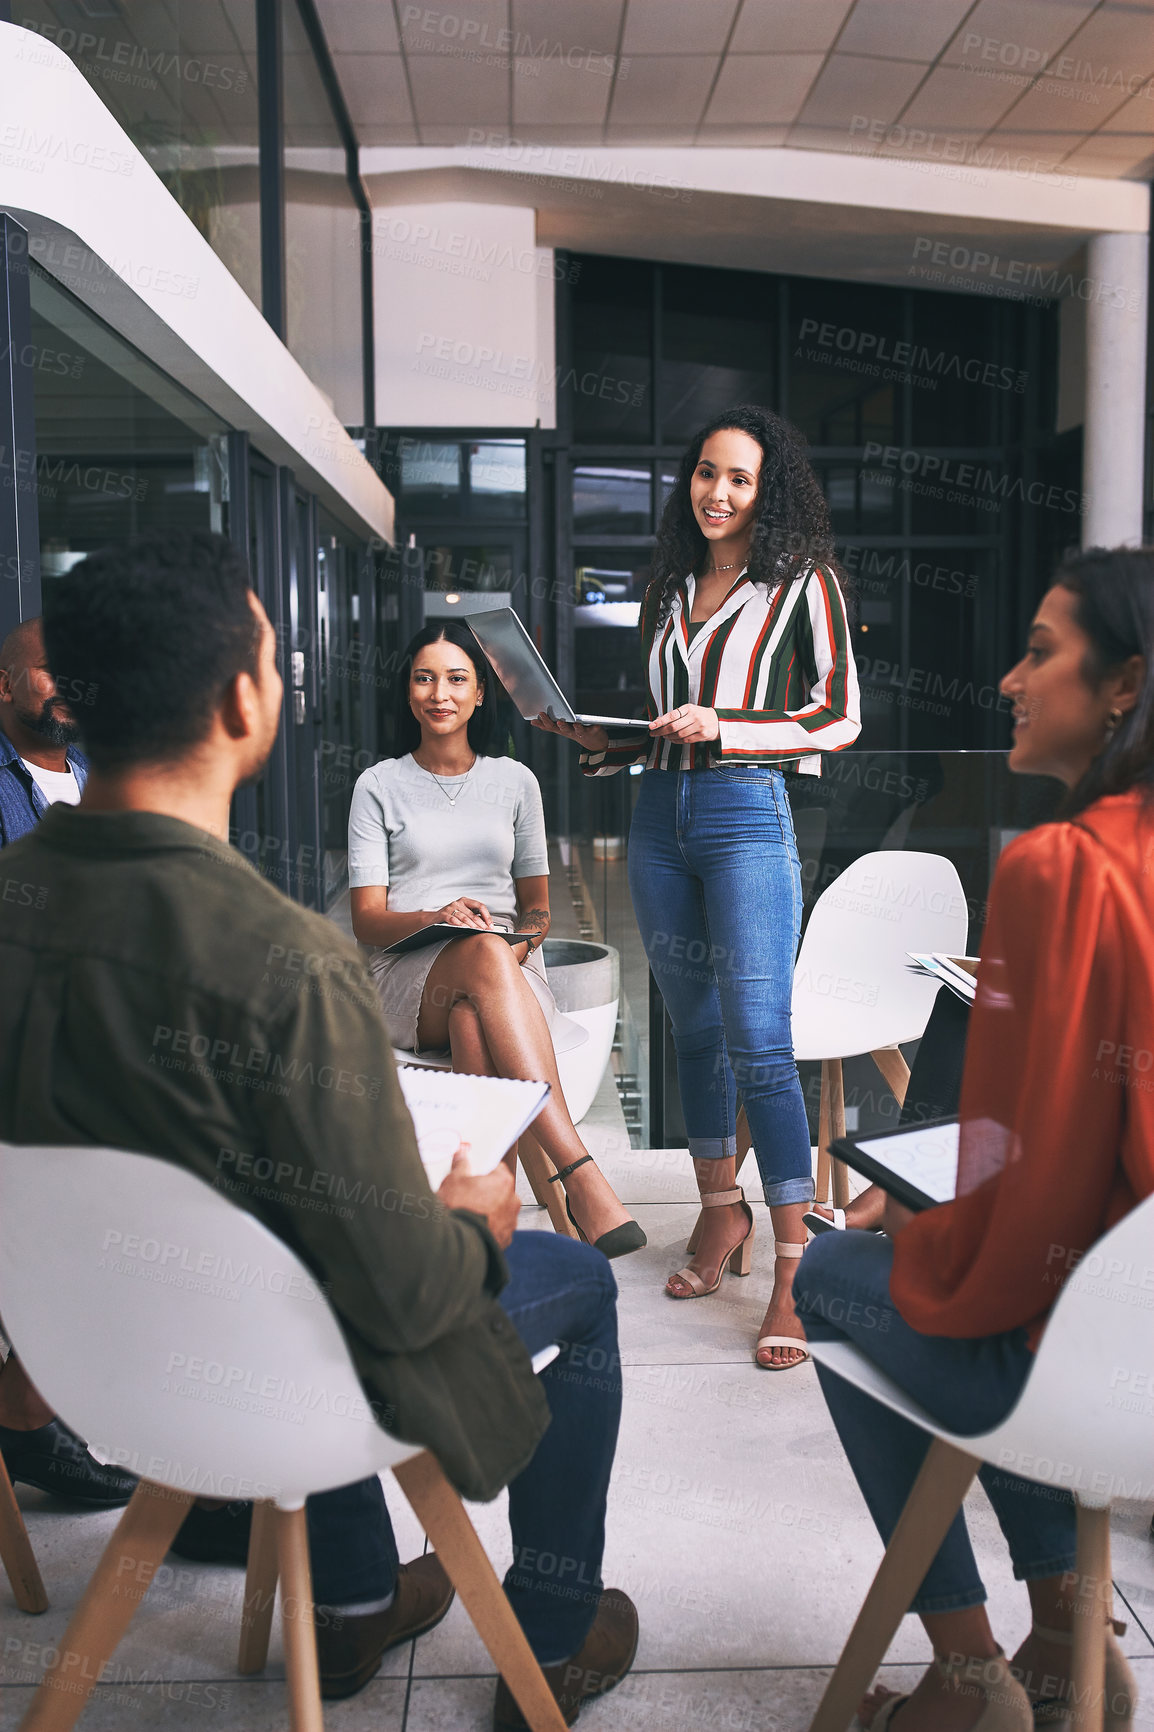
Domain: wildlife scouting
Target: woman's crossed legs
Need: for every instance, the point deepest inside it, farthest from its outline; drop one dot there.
(478, 1002)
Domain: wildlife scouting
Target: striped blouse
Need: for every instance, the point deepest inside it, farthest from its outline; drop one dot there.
(778, 670)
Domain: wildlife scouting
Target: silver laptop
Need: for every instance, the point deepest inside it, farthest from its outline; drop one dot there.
(524, 675)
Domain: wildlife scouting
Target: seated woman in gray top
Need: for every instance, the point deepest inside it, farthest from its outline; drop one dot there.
(450, 831)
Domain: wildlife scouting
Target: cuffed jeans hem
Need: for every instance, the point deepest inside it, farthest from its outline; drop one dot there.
(712, 1148)
(934, 1605)
(789, 1191)
(1065, 1565)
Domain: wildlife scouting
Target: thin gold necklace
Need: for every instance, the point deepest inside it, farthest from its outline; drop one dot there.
(451, 798)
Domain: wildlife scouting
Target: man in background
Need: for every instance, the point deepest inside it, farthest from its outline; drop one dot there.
(39, 759)
(39, 765)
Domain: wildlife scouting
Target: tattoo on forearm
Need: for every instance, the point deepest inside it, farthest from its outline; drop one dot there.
(534, 920)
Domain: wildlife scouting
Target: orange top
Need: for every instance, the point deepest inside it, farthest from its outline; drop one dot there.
(1057, 1104)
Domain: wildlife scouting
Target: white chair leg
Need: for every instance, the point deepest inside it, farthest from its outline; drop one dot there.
(453, 1537)
(259, 1590)
(119, 1583)
(296, 1610)
(946, 1475)
(823, 1187)
(1093, 1603)
(16, 1552)
(838, 1169)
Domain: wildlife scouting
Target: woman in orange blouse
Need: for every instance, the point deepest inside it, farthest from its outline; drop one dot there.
(1057, 1144)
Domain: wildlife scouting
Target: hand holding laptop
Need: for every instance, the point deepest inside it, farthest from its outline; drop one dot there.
(685, 725)
(590, 739)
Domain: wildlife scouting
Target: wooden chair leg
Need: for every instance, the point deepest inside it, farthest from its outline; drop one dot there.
(452, 1535)
(539, 1169)
(16, 1552)
(937, 1493)
(120, 1581)
(744, 1142)
(259, 1590)
(838, 1174)
(1092, 1606)
(296, 1610)
(894, 1069)
(823, 1186)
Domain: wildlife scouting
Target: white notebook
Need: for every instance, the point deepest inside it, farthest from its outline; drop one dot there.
(960, 973)
(489, 1113)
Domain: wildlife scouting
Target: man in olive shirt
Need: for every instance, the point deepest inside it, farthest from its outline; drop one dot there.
(161, 996)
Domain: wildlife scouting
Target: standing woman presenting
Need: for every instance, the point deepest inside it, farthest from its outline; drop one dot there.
(749, 669)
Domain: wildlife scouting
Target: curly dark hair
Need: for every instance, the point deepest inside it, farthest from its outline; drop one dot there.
(792, 529)
(1114, 587)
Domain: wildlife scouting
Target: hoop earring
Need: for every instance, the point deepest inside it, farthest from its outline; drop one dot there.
(1113, 722)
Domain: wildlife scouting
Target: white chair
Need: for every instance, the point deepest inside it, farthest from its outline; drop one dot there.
(186, 1341)
(1074, 1425)
(853, 989)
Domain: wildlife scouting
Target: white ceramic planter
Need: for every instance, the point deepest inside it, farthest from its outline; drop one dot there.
(585, 979)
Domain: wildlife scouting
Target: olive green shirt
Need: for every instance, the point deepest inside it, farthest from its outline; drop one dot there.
(158, 995)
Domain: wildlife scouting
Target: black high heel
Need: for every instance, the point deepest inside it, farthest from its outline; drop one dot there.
(618, 1241)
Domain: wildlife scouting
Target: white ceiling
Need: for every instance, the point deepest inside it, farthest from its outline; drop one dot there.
(1032, 85)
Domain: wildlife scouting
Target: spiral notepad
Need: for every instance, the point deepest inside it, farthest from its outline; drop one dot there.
(447, 1108)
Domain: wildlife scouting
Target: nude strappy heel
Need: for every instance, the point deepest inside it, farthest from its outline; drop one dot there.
(1121, 1684)
(742, 1251)
(782, 1248)
(1007, 1705)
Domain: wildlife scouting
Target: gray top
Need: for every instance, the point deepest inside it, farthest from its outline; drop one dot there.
(403, 832)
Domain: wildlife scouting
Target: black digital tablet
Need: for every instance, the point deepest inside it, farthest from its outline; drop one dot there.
(916, 1164)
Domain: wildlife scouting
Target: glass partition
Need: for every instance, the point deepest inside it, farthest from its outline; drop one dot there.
(612, 499)
(341, 665)
(497, 478)
(180, 78)
(120, 449)
(964, 805)
(322, 233)
(611, 390)
(717, 344)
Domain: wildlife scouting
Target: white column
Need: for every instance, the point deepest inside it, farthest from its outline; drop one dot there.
(1115, 295)
(463, 316)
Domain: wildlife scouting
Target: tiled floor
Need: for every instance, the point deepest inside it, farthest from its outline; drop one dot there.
(734, 1523)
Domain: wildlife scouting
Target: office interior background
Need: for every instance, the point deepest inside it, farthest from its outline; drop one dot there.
(421, 304)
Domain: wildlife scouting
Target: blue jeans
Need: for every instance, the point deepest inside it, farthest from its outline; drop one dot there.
(842, 1293)
(716, 887)
(559, 1291)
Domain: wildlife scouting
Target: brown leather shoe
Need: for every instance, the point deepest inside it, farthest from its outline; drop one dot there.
(350, 1648)
(598, 1665)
